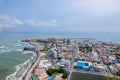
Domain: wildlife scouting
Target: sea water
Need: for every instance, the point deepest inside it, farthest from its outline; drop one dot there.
(14, 62)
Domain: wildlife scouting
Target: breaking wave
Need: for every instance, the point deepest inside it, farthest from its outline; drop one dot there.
(1, 47)
(21, 69)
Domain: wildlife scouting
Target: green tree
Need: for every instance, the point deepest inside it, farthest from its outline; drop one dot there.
(118, 73)
(61, 70)
(64, 75)
(50, 72)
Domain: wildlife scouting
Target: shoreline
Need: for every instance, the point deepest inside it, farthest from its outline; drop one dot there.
(22, 66)
(37, 47)
(28, 73)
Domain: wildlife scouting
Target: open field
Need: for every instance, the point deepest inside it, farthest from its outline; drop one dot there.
(86, 76)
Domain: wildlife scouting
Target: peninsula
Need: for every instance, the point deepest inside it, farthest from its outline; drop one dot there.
(63, 59)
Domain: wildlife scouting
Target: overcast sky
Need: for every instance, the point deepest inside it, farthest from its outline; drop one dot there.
(60, 15)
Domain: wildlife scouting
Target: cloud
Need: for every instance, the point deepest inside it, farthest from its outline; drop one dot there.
(40, 23)
(1, 30)
(53, 21)
(95, 7)
(7, 21)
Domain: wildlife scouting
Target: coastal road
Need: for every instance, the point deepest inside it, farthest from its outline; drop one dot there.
(28, 74)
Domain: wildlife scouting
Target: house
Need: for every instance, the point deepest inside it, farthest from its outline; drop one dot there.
(44, 64)
(65, 63)
(99, 68)
(44, 77)
(95, 56)
(39, 72)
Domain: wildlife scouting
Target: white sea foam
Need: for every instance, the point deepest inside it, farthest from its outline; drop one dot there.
(5, 50)
(1, 47)
(21, 69)
(10, 50)
(19, 50)
(17, 44)
(26, 52)
(27, 44)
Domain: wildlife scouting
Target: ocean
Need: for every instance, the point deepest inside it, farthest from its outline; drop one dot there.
(14, 62)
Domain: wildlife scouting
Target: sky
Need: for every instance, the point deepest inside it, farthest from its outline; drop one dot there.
(60, 15)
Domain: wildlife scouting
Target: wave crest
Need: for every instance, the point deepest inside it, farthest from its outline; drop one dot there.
(21, 69)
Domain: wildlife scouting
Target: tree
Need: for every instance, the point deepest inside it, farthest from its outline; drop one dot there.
(118, 73)
(61, 70)
(50, 72)
(75, 67)
(64, 75)
(56, 70)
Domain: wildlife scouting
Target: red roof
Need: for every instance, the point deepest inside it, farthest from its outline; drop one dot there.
(39, 70)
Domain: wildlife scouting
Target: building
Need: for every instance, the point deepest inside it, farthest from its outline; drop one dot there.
(51, 78)
(99, 68)
(95, 56)
(53, 53)
(82, 65)
(44, 64)
(39, 72)
(34, 77)
(65, 63)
